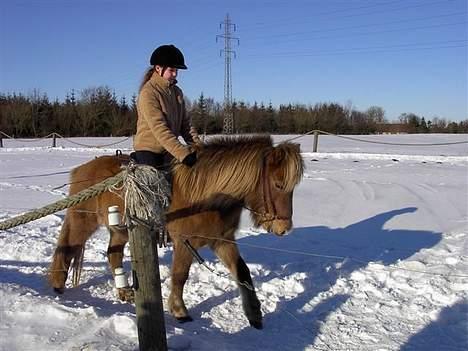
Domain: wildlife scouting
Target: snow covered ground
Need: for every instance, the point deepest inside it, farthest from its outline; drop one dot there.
(378, 259)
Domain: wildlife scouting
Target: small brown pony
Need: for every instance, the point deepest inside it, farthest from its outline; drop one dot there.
(231, 173)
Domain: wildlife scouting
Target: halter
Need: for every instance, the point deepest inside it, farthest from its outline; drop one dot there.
(267, 215)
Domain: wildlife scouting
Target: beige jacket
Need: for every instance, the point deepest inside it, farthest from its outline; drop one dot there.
(162, 117)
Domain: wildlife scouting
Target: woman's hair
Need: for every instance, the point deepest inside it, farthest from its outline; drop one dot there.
(149, 72)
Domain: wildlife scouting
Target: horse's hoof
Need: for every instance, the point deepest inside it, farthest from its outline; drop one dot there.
(184, 319)
(126, 294)
(256, 324)
(59, 290)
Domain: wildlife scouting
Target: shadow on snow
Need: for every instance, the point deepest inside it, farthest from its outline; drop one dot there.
(448, 332)
(360, 243)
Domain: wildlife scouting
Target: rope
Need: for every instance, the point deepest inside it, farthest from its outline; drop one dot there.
(28, 140)
(203, 263)
(38, 175)
(64, 203)
(291, 139)
(62, 137)
(92, 146)
(374, 142)
(77, 182)
(303, 135)
(147, 195)
(73, 210)
(5, 134)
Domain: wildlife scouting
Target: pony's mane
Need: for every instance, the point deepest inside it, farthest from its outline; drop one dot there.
(231, 164)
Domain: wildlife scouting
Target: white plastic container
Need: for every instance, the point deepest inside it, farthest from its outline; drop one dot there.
(120, 278)
(113, 215)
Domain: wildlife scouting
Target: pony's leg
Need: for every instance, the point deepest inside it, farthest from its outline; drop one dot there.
(181, 262)
(228, 253)
(76, 229)
(118, 239)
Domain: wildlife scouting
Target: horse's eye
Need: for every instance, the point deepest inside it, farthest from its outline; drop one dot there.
(279, 186)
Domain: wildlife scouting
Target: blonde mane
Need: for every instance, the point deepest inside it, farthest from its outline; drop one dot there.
(233, 165)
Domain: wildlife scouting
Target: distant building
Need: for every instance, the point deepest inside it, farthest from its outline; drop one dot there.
(392, 128)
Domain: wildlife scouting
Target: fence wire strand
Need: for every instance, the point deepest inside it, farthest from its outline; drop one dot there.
(375, 142)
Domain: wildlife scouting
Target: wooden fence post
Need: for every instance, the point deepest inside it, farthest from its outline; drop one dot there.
(316, 135)
(1, 141)
(54, 140)
(147, 286)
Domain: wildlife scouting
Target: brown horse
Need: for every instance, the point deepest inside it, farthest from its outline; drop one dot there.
(207, 200)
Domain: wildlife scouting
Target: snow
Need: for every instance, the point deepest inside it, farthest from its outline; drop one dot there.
(378, 259)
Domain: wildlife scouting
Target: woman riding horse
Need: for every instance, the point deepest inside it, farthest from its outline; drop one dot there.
(162, 116)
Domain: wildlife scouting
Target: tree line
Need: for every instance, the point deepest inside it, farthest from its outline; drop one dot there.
(99, 112)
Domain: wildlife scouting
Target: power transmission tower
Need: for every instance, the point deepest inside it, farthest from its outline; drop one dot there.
(228, 113)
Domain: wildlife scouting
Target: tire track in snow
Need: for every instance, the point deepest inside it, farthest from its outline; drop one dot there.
(422, 199)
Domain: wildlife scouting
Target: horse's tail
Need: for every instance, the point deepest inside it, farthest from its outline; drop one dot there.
(69, 252)
(77, 265)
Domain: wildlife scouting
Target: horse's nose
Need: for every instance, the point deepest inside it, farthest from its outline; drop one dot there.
(281, 227)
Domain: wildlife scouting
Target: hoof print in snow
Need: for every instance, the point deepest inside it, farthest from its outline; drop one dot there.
(184, 319)
(256, 324)
(59, 291)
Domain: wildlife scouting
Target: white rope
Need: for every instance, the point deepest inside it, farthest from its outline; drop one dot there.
(146, 194)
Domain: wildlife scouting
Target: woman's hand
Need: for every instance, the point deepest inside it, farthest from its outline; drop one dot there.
(190, 159)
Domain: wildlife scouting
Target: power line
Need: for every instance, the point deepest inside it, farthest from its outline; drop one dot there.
(353, 35)
(382, 48)
(126, 81)
(318, 54)
(357, 26)
(293, 20)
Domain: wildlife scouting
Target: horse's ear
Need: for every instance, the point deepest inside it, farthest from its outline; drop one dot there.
(276, 156)
(294, 147)
(280, 152)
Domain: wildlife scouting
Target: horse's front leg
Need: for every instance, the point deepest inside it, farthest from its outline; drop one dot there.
(228, 253)
(181, 262)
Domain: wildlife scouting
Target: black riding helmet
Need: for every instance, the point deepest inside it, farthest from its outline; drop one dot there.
(168, 56)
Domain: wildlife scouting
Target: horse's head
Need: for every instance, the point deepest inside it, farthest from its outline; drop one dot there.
(249, 170)
(271, 205)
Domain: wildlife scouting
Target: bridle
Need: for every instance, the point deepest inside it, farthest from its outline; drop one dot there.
(269, 213)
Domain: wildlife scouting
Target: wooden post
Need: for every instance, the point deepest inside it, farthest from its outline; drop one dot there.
(54, 140)
(147, 286)
(316, 134)
(1, 141)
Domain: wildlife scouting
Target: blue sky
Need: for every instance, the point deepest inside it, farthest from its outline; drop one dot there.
(405, 56)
